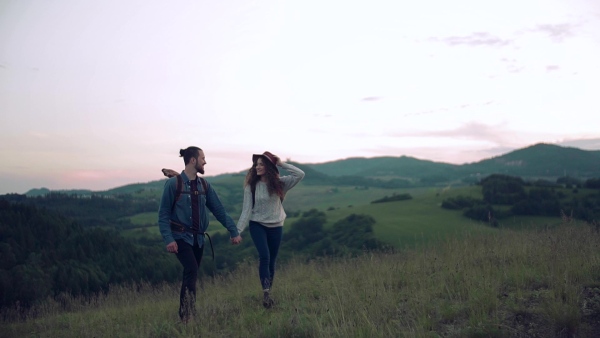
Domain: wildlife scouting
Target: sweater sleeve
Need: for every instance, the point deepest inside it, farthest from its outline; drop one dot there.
(246, 210)
(296, 175)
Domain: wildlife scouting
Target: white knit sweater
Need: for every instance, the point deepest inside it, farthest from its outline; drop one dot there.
(268, 209)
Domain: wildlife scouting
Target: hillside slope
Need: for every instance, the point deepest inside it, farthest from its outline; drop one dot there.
(541, 160)
(537, 161)
(507, 284)
(402, 166)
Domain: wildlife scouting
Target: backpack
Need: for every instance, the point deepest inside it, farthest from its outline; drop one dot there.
(179, 189)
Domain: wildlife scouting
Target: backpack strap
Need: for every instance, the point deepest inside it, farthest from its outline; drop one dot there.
(204, 185)
(179, 189)
(176, 227)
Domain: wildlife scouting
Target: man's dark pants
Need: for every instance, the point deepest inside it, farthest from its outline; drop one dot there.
(190, 257)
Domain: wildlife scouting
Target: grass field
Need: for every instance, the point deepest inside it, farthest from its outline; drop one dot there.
(526, 283)
(408, 223)
(448, 277)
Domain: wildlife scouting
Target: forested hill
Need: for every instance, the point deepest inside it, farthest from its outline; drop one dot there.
(537, 161)
(384, 166)
(45, 254)
(48, 255)
(540, 161)
(126, 189)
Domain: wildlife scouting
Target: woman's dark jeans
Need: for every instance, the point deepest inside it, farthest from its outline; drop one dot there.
(267, 241)
(190, 257)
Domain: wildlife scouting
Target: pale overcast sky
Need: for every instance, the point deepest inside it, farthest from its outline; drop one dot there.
(97, 94)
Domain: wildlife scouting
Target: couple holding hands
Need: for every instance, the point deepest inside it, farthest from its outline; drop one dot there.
(183, 220)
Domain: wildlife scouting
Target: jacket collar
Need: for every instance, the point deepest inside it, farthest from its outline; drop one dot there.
(185, 178)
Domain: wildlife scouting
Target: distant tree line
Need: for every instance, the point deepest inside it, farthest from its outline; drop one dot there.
(46, 254)
(537, 198)
(394, 197)
(360, 181)
(91, 210)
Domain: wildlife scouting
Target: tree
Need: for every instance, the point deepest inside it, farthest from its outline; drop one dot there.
(307, 230)
(502, 189)
(356, 233)
(592, 183)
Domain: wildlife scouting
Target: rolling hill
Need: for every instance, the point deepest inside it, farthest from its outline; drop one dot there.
(539, 161)
(536, 161)
(542, 160)
(402, 166)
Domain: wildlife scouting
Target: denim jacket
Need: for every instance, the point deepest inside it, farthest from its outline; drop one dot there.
(182, 212)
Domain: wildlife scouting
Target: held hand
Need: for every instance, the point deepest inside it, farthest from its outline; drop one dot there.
(172, 247)
(169, 172)
(236, 240)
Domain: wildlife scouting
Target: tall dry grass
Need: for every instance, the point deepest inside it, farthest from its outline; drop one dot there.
(543, 283)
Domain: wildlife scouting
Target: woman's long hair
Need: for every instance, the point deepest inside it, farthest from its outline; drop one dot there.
(274, 185)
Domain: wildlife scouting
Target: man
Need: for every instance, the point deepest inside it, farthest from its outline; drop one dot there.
(183, 221)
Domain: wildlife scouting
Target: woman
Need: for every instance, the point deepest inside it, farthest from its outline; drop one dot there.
(264, 191)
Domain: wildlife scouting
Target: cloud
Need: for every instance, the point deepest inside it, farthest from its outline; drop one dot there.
(476, 131)
(512, 65)
(443, 154)
(557, 32)
(550, 68)
(475, 39)
(371, 98)
(586, 144)
(445, 109)
(38, 134)
(496, 134)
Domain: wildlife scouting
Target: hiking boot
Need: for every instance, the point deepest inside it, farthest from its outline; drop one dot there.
(187, 313)
(186, 319)
(267, 300)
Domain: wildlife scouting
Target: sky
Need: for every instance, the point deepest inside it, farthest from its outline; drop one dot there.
(98, 94)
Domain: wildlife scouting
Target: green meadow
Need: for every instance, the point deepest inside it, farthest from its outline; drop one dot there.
(442, 275)
(503, 283)
(408, 223)
(447, 276)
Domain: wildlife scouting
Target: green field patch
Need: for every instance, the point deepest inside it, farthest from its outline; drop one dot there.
(409, 223)
(413, 222)
(306, 197)
(420, 220)
(149, 231)
(144, 218)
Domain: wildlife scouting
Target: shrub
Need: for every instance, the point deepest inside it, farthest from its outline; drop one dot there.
(460, 202)
(394, 197)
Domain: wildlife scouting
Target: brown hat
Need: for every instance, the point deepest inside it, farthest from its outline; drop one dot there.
(269, 156)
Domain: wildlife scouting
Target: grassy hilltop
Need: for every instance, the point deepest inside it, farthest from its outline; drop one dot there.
(447, 276)
(527, 283)
(441, 274)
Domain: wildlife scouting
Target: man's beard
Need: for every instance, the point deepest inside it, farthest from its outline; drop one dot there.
(200, 169)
